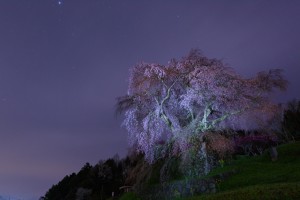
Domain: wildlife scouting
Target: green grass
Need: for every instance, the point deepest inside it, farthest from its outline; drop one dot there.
(286, 191)
(260, 178)
(129, 196)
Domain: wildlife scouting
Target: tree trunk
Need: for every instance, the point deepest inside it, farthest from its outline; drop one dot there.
(206, 166)
(273, 153)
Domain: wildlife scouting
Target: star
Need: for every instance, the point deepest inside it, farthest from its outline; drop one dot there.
(59, 2)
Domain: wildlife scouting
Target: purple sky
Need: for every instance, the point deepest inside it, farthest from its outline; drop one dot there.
(63, 64)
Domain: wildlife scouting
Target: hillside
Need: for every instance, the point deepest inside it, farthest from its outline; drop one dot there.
(253, 178)
(259, 178)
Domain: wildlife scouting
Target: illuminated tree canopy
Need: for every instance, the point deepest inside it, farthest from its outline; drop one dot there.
(190, 96)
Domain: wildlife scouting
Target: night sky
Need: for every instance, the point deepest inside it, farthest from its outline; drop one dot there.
(63, 63)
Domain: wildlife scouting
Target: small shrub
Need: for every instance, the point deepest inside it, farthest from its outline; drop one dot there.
(219, 146)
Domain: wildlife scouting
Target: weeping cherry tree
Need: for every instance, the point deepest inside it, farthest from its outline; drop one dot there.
(170, 104)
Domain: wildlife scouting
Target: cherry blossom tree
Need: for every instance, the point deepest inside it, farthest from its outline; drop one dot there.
(167, 105)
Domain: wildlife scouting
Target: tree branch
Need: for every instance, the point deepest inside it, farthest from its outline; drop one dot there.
(162, 113)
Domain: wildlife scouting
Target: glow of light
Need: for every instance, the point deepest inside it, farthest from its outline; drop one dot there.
(59, 2)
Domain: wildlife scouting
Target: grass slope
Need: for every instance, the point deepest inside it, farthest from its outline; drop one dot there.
(260, 178)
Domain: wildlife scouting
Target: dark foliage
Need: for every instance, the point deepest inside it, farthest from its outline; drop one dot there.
(291, 121)
(91, 182)
(255, 143)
